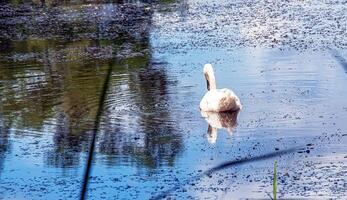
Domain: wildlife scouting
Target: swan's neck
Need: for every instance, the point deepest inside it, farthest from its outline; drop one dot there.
(212, 134)
(211, 81)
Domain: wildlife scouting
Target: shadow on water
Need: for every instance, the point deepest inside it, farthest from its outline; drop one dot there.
(223, 166)
(339, 58)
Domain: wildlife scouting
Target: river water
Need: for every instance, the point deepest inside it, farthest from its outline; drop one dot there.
(285, 60)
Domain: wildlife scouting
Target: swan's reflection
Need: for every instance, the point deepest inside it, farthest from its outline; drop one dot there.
(226, 120)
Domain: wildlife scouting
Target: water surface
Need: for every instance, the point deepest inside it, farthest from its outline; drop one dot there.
(153, 138)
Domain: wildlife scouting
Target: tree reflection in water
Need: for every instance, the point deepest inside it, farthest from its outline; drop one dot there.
(5, 145)
(53, 69)
(152, 137)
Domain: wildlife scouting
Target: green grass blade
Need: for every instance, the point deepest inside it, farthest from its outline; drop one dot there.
(275, 181)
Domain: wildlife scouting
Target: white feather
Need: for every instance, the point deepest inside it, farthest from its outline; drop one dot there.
(218, 100)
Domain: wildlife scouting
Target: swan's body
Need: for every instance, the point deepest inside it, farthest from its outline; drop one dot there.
(217, 100)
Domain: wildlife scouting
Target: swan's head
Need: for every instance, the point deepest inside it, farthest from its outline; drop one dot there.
(208, 68)
(209, 75)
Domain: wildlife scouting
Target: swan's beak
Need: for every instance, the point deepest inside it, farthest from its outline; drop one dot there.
(207, 82)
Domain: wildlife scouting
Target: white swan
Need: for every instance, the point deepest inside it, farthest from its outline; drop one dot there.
(217, 100)
(219, 120)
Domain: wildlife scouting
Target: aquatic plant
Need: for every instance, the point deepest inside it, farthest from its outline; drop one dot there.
(274, 184)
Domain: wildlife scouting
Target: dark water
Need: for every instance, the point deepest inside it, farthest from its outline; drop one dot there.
(153, 139)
